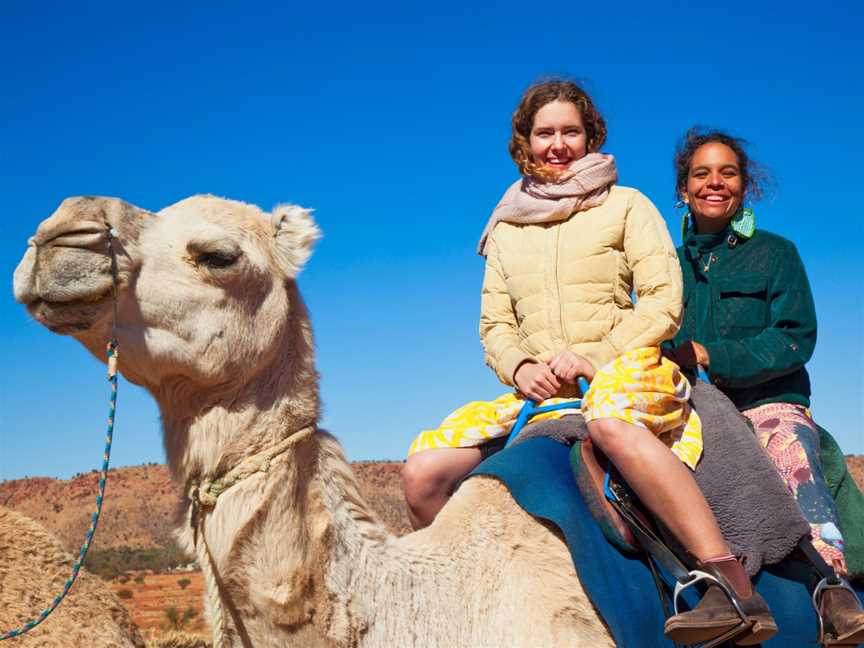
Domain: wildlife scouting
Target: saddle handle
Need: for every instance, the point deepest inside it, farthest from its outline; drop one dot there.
(531, 409)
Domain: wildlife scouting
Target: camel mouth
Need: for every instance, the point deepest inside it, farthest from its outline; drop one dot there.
(69, 318)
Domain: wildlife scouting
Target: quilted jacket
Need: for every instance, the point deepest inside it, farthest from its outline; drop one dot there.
(752, 309)
(550, 287)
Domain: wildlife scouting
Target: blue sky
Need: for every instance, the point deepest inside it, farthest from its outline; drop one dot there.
(391, 121)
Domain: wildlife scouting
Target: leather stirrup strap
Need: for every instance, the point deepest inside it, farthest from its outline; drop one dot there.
(623, 500)
(816, 561)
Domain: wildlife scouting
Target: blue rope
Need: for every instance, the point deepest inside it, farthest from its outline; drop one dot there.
(94, 519)
(531, 409)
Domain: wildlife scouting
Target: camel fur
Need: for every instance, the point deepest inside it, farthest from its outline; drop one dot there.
(33, 570)
(211, 322)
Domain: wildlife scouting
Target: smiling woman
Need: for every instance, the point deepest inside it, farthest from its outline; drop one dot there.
(558, 135)
(564, 250)
(750, 320)
(715, 186)
(555, 124)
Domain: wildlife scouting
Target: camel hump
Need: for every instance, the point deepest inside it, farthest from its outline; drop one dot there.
(33, 570)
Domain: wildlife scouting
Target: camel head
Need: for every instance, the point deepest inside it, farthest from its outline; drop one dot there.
(204, 288)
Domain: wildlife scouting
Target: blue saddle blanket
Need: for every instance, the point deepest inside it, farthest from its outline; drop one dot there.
(537, 473)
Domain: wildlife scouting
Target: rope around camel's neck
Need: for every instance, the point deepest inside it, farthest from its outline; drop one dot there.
(203, 496)
(206, 434)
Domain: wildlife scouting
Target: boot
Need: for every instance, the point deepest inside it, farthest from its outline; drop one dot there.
(842, 617)
(715, 615)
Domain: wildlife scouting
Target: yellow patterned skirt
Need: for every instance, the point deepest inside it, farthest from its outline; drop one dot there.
(640, 387)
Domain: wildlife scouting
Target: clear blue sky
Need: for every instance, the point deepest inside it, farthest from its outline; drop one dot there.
(391, 121)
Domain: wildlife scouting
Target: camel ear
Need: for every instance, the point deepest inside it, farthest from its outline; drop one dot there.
(295, 233)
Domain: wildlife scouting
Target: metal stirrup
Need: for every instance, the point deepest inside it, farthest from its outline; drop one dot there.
(821, 587)
(698, 576)
(622, 500)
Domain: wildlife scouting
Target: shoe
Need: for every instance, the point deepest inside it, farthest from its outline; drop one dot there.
(715, 616)
(842, 617)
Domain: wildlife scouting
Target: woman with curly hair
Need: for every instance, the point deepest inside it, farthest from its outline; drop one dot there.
(750, 321)
(564, 249)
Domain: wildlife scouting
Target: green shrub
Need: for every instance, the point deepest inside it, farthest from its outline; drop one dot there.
(125, 594)
(177, 621)
(110, 563)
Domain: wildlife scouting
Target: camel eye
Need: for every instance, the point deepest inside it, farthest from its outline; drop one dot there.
(217, 259)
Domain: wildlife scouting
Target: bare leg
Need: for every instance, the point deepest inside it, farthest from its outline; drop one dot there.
(430, 477)
(663, 483)
(668, 489)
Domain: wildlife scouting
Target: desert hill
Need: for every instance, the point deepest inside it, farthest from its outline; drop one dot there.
(141, 503)
(856, 469)
(139, 511)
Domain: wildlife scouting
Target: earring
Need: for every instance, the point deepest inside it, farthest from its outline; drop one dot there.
(685, 225)
(685, 219)
(744, 222)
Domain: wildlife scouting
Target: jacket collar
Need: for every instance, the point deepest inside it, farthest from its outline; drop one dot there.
(696, 245)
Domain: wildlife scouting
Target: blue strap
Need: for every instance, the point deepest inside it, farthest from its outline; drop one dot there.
(607, 490)
(531, 409)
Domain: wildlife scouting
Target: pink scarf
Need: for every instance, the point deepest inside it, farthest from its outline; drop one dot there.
(585, 184)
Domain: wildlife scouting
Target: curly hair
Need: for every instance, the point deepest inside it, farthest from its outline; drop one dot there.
(537, 96)
(755, 177)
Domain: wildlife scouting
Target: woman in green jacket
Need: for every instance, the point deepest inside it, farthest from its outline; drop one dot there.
(749, 320)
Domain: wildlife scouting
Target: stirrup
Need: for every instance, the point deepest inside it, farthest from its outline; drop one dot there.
(827, 583)
(623, 500)
(698, 576)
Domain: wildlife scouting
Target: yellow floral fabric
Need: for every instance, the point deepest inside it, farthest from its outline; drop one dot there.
(643, 388)
(479, 421)
(640, 387)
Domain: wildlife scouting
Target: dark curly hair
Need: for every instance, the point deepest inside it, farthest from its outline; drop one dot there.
(537, 96)
(755, 178)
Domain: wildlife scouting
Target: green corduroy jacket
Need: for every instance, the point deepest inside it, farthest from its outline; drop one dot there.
(748, 302)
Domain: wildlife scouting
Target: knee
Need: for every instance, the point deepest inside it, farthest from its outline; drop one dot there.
(612, 436)
(423, 478)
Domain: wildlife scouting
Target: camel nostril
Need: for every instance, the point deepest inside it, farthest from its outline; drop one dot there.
(84, 235)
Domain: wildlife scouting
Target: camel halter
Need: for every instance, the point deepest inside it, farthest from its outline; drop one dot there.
(112, 351)
(203, 495)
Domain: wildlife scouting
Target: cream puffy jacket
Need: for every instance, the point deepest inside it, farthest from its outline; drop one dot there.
(567, 285)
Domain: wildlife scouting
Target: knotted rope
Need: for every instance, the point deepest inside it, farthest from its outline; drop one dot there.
(203, 495)
(112, 350)
(94, 519)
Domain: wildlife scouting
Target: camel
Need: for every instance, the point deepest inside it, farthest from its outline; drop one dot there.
(33, 569)
(209, 320)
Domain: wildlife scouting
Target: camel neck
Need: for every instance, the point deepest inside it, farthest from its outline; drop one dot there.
(210, 429)
(348, 540)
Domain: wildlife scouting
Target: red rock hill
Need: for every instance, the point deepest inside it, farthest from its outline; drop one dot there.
(141, 503)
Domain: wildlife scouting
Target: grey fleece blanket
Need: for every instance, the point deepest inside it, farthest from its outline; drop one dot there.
(758, 516)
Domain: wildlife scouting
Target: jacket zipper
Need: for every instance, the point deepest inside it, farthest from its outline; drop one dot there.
(561, 342)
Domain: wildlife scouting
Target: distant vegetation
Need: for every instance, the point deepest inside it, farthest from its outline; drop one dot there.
(175, 620)
(110, 563)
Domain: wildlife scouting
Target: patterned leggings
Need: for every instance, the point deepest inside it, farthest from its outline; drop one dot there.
(791, 439)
